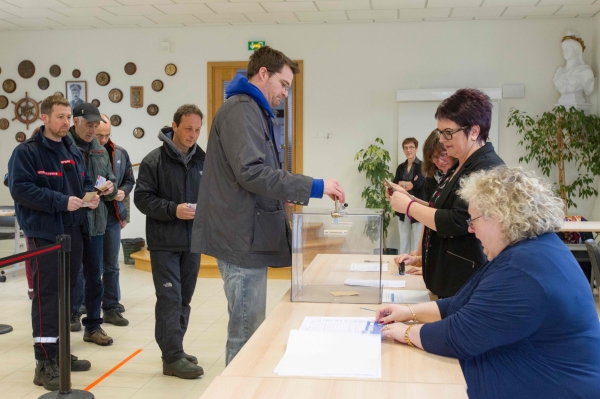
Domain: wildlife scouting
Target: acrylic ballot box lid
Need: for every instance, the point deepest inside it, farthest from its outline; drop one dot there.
(333, 251)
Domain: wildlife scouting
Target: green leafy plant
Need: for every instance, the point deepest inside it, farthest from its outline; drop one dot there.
(562, 136)
(374, 162)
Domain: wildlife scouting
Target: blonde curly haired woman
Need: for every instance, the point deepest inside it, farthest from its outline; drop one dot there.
(525, 325)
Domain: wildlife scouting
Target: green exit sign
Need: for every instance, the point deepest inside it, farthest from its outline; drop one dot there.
(255, 45)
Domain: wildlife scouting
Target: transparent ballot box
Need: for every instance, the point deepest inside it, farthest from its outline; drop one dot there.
(336, 255)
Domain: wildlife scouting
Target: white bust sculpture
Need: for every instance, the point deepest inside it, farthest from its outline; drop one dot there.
(575, 78)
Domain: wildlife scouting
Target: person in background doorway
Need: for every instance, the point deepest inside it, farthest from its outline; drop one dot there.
(409, 176)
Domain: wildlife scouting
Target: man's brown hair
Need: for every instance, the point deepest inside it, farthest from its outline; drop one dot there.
(273, 60)
(50, 101)
(186, 109)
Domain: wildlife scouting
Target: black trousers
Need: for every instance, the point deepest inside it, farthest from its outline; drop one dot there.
(44, 306)
(175, 275)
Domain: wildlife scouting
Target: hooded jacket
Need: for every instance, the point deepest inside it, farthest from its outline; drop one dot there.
(241, 216)
(167, 178)
(36, 185)
(98, 164)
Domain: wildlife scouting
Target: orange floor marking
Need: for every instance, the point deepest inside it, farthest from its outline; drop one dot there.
(109, 372)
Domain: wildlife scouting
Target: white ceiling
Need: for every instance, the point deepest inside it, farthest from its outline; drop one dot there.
(73, 14)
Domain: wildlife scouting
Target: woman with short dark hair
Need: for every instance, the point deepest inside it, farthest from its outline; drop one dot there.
(409, 176)
(450, 255)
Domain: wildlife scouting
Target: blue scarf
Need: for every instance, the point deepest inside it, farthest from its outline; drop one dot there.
(240, 85)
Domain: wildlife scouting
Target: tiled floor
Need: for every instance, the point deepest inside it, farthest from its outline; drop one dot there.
(142, 376)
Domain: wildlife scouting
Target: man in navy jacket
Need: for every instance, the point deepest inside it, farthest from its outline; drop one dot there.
(47, 180)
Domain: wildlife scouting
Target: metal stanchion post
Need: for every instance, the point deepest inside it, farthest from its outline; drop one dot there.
(64, 331)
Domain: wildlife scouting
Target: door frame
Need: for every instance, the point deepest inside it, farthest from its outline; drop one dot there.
(297, 106)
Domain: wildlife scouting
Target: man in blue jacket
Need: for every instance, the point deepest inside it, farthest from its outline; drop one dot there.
(47, 180)
(118, 217)
(166, 192)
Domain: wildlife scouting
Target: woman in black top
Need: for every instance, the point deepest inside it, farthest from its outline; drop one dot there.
(409, 177)
(450, 255)
(435, 165)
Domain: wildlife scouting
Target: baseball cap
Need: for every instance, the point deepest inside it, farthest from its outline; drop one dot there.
(88, 111)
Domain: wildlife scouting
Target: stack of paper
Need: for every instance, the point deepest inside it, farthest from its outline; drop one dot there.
(375, 283)
(314, 352)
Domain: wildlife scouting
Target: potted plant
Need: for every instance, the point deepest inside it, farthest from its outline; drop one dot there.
(562, 136)
(374, 162)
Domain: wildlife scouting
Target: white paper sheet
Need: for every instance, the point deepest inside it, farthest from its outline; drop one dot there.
(368, 267)
(405, 296)
(356, 325)
(374, 283)
(330, 354)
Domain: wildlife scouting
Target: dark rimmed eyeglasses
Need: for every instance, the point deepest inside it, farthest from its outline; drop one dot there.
(448, 133)
(471, 221)
(439, 157)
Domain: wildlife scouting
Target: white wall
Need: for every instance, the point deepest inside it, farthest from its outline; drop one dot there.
(352, 72)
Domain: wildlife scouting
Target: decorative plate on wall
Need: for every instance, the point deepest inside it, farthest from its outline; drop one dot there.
(20, 137)
(103, 78)
(76, 73)
(157, 85)
(55, 71)
(4, 124)
(26, 69)
(9, 85)
(115, 120)
(152, 109)
(138, 132)
(96, 102)
(170, 69)
(3, 102)
(115, 95)
(130, 68)
(43, 83)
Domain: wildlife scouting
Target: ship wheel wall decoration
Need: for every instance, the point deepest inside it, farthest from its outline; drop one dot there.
(27, 110)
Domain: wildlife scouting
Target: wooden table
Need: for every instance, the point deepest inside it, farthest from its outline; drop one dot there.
(304, 388)
(589, 227)
(406, 372)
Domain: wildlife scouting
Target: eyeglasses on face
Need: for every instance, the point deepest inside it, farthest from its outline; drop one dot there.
(286, 85)
(448, 133)
(470, 222)
(409, 147)
(439, 157)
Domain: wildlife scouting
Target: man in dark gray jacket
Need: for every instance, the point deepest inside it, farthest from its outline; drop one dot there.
(166, 192)
(241, 219)
(117, 219)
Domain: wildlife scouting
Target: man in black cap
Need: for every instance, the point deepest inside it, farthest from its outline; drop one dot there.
(47, 180)
(86, 119)
(75, 93)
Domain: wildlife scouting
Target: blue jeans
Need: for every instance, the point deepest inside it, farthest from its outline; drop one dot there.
(90, 283)
(110, 273)
(246, 292)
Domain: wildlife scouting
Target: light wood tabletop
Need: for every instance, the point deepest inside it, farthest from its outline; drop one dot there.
(590, 227)
(302, 388)
(406, 372)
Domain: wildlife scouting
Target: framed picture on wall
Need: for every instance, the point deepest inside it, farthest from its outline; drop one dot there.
(76, 91)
